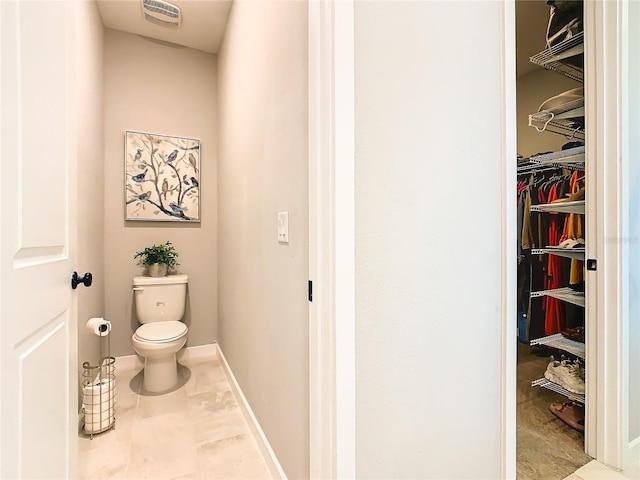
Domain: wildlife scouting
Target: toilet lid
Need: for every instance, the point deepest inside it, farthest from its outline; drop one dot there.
(159, 332)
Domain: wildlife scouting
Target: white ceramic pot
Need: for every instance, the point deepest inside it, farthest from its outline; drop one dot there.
(157, 270)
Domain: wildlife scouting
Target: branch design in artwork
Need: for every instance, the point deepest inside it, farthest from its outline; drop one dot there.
(162, 177)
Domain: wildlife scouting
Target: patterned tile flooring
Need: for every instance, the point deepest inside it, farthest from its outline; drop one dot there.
(196, 431)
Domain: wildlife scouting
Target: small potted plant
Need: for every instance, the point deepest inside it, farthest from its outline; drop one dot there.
(158, 258)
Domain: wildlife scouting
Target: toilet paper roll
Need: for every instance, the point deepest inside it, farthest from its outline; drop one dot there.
(98, 393)
(97, 421)
(99, 326)
(97, 406)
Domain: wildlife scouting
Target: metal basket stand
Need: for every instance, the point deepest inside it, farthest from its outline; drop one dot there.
(98, 395)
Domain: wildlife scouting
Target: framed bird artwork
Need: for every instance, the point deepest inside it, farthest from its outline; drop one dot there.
(161, 177)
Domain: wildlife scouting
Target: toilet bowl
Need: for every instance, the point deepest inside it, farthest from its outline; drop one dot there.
(160, 304)
(150, 341)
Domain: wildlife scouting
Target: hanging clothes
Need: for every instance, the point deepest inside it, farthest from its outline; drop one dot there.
(546, 315)
(574, 229)
(554, 315)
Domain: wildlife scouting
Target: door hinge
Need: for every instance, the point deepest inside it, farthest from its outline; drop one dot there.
(592, 264)
(310, 291)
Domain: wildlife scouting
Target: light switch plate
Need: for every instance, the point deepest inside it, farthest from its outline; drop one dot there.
(283, 227)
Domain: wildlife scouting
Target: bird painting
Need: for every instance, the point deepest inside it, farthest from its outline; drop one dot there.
(172, 156)
(192, 161)
(140, 198)
(140, 177)
(162, 177)
(144, 196)
(176, 208)
(165, 188)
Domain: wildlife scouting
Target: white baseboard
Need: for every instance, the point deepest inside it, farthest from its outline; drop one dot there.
(189, 354)
(267, 452)
(129, 362)
(186, 355)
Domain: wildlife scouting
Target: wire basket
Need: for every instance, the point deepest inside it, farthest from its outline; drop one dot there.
(98, 396)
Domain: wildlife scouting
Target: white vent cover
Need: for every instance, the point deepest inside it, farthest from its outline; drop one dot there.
(161, 13)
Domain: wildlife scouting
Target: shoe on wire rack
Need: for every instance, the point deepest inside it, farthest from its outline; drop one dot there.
(570, 413)
(576, 334)
(566, 374)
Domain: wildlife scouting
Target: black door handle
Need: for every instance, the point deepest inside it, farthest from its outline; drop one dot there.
(87, 279)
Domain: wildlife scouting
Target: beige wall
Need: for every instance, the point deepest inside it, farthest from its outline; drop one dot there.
(263, 165)
(89, 201)
(156, 88)
(532, 90)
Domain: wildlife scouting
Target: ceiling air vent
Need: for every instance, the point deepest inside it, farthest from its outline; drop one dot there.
(161, 13)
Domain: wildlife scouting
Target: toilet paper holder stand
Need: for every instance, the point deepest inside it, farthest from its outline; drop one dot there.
(98, 392)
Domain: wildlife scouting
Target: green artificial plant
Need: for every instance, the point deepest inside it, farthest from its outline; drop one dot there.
(163, 254)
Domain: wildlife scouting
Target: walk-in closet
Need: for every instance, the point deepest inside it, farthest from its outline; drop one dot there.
(551, 232)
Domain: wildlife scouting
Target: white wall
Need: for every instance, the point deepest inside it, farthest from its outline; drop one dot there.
(90, 195)
(263, 165)
(158, 88)
(533, 89)
(428, 239)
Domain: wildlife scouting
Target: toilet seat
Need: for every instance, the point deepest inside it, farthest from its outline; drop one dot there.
(161, 332)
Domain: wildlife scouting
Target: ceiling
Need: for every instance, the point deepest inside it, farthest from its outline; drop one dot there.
(203, 22)
(532, 17)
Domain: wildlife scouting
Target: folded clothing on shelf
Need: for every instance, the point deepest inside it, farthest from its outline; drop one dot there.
(573, 144)
(561, 100)
(572, 243)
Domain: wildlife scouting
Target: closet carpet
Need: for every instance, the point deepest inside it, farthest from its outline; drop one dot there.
(547, 448)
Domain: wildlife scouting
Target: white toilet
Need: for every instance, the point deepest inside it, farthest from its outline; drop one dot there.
(160, 303)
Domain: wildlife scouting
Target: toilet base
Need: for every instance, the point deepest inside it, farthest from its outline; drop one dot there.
(160, 373)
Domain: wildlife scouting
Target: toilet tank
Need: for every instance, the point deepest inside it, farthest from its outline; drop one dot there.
(160, 299)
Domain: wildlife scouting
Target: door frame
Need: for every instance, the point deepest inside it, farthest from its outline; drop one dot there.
(332, 409)
(331, 239)
(606, 88)
(509, 148)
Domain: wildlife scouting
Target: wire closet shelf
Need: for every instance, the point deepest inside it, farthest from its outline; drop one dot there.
(556, 57)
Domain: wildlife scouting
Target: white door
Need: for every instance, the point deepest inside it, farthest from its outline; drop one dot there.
(37, 325)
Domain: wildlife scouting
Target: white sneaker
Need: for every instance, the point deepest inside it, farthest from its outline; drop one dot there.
(566, 374)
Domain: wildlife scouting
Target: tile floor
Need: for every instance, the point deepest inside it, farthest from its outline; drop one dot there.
(196, 431)
(597, 471)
